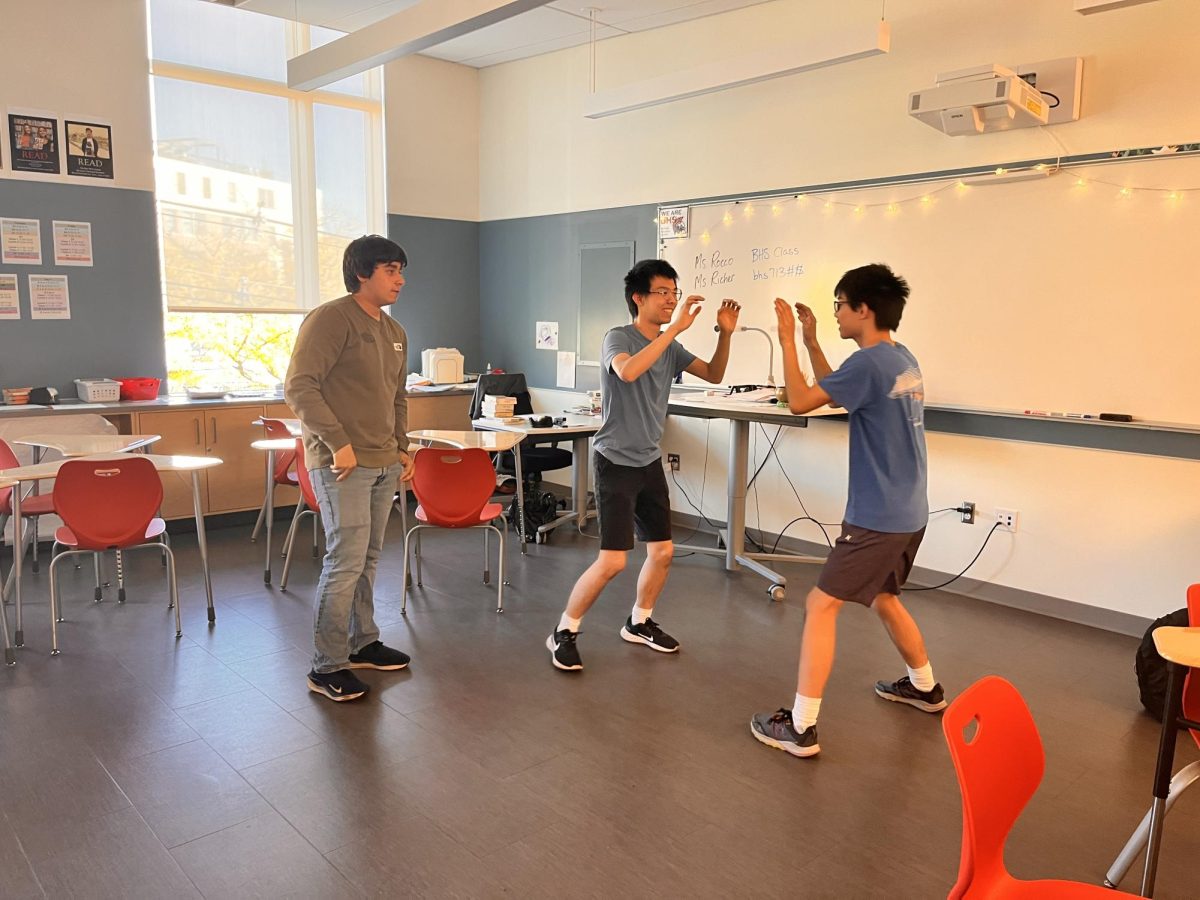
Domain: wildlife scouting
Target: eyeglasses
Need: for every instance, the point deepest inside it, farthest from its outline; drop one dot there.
(837, 304)
(666, 293)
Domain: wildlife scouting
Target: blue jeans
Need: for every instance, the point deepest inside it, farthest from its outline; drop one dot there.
(355, 515)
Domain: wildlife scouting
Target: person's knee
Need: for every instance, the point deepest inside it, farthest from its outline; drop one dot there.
(660, 553)
(886, 605)
(611, 563)
(820, 603)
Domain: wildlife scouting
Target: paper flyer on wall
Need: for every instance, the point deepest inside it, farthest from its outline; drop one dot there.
(546, 336)
(72, 243)
(10, 303)
(33, 139)
(21, 242)
(48, 297)
(673, 222)
(89, 149)
(566, 369)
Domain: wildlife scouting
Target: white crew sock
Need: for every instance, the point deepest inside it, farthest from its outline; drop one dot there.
(922, 678)
(568, 624)
(640, 615)
(804, 713)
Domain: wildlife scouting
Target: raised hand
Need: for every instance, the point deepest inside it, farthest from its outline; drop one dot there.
(808, 323)
(727, 315)
(686, 313)
(787, 323)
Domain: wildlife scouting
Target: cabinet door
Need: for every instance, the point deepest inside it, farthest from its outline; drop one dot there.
(237, 483)
(182, 433)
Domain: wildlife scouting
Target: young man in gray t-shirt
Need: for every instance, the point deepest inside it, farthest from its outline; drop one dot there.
(638, 364)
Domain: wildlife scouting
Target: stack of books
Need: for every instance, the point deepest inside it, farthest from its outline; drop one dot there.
(497, 407)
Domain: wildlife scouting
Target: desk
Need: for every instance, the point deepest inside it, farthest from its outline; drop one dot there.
(10, 657)
(579, 430)
(740, 415)
(191, 464)
(74, 445)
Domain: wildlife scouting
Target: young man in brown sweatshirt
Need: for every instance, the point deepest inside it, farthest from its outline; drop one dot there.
(346, 383)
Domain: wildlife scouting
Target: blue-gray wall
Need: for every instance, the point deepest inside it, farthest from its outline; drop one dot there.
(530, 272)
(116, 324)
(439, 306)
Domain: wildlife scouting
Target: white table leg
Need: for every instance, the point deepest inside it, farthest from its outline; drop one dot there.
(269, 503)
(202, 542)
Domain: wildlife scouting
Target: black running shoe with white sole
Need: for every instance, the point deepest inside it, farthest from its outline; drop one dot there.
(650, 634)
(341, 685)
(563, 652)
(904, 691)
(777, 730)
(377, 655)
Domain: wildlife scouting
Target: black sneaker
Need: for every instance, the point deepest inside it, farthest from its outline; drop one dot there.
(650, 634)
(376, 655)
(563, 652)
(777, 730)
(903, 691)
(340, 685)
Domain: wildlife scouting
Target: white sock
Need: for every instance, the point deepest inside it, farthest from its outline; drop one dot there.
(922, 678)
(640, 615)
(567, 623)
(804, 713)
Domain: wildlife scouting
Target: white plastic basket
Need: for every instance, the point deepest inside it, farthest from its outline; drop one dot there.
(98, 390)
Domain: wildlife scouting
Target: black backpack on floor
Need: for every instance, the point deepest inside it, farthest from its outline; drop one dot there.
(541, 508)
(1152, 669)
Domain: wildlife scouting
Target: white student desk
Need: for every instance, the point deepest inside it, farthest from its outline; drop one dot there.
(579, 430)
(741, 415)
(21, 474)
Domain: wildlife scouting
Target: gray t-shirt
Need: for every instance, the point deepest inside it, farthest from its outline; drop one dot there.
(634, 411)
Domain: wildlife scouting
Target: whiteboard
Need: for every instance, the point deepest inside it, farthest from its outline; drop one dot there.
(1074, 293)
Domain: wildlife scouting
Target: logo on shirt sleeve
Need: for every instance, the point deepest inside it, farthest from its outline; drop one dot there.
(398, 347)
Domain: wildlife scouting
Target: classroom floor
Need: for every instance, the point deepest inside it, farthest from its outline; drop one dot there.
(136, 766)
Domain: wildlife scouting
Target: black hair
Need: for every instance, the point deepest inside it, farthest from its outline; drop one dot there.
(364, 254)
(882, 290)
(637, 279)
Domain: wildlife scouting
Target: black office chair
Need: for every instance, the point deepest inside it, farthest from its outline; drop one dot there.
(538, 455)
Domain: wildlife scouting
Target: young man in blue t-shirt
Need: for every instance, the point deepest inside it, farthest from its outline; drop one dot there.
(638, 364)
(880, 386)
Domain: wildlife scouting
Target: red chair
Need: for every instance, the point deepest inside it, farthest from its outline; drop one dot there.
(283, 474)
(453, 488)
(109, 504)
(999, 768)
(33, 506)
(306, 506)
(1181, 780)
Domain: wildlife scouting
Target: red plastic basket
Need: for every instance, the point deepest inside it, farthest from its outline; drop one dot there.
(139, 388)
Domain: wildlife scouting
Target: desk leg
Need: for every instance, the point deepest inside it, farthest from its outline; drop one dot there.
(269, 505)
(520, 497)
(1162, 774)
(202, 542)
(10, 657)
(18, 555)
(579, 487)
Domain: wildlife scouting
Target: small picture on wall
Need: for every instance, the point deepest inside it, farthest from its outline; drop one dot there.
(89, 149)
(546, 337)
(34, 143)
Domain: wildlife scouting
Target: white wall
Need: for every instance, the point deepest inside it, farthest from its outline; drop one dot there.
(1112, 530)
(431, 130)
(73, 58)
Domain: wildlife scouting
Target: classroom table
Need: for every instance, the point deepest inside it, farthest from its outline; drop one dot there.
(41, 471)
(579, 430)
(74, 445)
(10, 657)
(741, 416)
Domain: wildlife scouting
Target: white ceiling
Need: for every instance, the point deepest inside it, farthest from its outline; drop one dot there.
(560, 24)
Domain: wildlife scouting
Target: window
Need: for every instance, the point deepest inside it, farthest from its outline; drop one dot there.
(303, 176)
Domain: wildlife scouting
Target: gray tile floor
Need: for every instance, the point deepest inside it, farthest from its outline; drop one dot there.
(134, 765)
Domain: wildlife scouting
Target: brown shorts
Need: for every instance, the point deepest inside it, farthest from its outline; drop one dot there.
(865, 563)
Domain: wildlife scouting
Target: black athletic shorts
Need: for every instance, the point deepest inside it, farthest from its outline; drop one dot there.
(865, 563)
(631, 495)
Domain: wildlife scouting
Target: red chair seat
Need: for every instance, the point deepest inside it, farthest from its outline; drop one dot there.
(34, 505)
(490, 511)
(288, 478)
(66, 536)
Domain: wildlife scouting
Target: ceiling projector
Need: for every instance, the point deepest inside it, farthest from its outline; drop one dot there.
(980, 99)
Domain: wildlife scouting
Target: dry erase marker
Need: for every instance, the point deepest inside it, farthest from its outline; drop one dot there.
(1058, 415)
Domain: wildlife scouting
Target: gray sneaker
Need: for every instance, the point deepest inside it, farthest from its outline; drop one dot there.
(777, 730)
(904, 691)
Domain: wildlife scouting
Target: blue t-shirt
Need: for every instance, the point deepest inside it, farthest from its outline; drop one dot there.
(634, 411)
(882, 389)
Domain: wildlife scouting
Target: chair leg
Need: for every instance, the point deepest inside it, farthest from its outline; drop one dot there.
(55, 600)
(316, 520)
(99, 595)
(165, 540)
(487, 572)
(262, 514)
(404, 576)
(417, 557)
(120, 578)
(173, 590)
(500, 566)
(291, 532)
(289, 544)
(1133, 848)
(34, 551)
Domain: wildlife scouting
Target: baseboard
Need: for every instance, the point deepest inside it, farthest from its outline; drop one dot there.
(1015, 598)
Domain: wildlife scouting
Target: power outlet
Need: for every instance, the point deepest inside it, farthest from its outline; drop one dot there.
(673, 462)
(966, 512)
(1007, 519)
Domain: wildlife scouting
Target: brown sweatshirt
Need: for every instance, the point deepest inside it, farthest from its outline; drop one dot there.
(346, 383)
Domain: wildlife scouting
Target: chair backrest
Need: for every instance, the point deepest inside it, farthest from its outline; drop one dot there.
(453, 486)
(506, 385)
(999, 768)
(274, 428)
(304, 479)
(108, 504)
(1191, 687)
